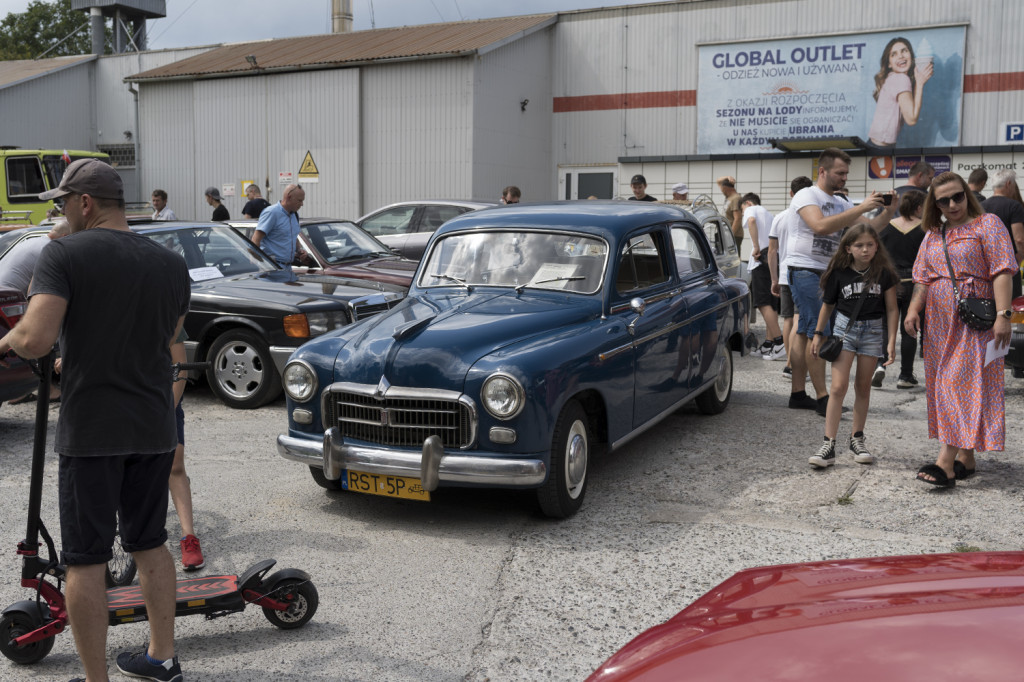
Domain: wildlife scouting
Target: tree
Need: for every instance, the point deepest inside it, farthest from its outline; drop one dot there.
(42, 25)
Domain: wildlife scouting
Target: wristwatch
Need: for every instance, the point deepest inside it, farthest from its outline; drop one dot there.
(1005, 313)
(818, 332)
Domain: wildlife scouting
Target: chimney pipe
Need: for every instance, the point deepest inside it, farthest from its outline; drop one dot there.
(96, 19)
(341, 16)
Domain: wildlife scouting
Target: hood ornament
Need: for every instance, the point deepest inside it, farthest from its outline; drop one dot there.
(382, 388)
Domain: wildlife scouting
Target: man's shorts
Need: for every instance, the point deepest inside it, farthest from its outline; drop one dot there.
(786, 309)
(761, 288)
(805, 286)
(98, 494)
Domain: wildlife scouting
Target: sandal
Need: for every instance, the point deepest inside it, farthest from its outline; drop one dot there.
(961, 471)
(939, 477)
(23, 399)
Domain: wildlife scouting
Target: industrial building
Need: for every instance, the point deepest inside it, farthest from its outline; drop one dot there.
(564, 105)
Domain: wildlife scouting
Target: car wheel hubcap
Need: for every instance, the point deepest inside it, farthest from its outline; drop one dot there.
(576, 459)
(724, 380)
(239, 370)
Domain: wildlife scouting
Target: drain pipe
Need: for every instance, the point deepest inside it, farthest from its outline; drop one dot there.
(135, 142)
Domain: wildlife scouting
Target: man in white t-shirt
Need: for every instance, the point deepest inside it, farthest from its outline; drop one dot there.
(777, 241)
(758, 221)
(821, 216)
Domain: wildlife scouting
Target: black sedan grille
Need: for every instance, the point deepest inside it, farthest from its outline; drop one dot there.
(404, 421)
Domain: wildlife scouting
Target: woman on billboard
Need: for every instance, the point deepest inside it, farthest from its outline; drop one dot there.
(899, 86)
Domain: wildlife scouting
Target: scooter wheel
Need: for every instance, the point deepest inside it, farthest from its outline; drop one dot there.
(16, 624)
(303, 600)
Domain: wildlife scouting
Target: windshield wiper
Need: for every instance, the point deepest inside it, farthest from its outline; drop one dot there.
(520, 287)
(450, 278)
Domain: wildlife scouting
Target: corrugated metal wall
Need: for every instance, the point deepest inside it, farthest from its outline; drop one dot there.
(512, 140)
(417, 131)
(51, 112)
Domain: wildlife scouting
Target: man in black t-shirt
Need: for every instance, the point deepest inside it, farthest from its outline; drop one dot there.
(639, 187)
(220, 211)
(1003, 204)
(116, 300)
(256, 203)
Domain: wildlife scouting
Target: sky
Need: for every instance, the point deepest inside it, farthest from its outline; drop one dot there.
(208, 22)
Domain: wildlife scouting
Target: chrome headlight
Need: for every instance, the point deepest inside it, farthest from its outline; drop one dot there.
(321, 323)
(299, 381)
(502, 396)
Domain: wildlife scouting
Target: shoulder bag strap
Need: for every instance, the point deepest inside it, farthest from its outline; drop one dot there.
(949, 264)
(856, 312)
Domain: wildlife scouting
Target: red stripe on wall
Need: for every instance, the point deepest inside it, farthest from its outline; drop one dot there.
(982, 82)
(633, 100)
(994, 82)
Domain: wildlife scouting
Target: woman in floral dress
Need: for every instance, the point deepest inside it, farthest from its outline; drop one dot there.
(965, 396)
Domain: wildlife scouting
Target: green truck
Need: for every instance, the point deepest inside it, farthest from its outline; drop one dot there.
(25, 173)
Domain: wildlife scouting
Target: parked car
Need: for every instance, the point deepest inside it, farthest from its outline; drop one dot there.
(532, 334)
(406, 227)
(719, 233)
(927, 617)
(1015, 358)
(17, 378)
(247, 315)
(341, 249)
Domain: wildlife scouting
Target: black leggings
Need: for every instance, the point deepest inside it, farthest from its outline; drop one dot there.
(908, 342)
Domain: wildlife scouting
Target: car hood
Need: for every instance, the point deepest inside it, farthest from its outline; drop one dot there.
(930, 617)
(431, 340)
(279, 287)
(394, 270)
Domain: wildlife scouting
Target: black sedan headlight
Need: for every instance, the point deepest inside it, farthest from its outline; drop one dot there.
(502, 396)
(299, 381)
(321, 323)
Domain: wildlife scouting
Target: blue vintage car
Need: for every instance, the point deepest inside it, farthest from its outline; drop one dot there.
(531, 335)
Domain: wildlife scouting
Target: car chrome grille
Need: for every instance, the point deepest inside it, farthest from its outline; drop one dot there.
(365, 310)
(400, 420)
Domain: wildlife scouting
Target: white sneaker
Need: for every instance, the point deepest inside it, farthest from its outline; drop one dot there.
(861, 455)
(777, 352)
(878, 377)
(826, 456)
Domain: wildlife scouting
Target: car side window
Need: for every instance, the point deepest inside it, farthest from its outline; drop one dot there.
(714, 234)
(436, 216)
(393, 221)
(24, 179)
(642, 263)
(688, 254)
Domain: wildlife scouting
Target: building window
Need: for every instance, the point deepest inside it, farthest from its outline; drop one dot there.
(121, 155)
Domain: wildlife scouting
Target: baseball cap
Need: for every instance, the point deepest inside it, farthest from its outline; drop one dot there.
(213, 192)
(638, 180)
(680, 188)
(88, 176)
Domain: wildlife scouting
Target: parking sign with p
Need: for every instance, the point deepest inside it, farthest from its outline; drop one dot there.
(1013, 133)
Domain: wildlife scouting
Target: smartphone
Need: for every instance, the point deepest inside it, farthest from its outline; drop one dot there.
(886, 199)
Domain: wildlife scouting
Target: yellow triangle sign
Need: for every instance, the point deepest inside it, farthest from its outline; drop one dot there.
(308, 167)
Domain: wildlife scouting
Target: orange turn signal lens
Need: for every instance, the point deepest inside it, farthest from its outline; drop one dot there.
(296, 326)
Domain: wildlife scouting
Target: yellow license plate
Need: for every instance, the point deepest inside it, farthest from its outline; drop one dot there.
(388, 486)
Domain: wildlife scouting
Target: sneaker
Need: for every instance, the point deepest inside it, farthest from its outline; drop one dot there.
(907, 382)
(777, 351)
(821, 406)
(802, 401)
(787, 372)
(878, 377)
(763, 351)
(138, 665)
(826, 456)
(191, 555)
(860, 451)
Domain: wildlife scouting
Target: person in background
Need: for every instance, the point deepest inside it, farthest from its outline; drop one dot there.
(902, 239)
(179, 484)
(1005, 204)
(254, 207)
(733, 213)
(777, 240)
(919, 178)
(977, 181)
(220, 211)
(759, 221)
(161, 211)
(680, 192)
(511, 195)
(966, 398)
(277, 232)
(859, 273)
(638, 184)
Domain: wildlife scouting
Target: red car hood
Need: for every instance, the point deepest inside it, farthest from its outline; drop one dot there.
(929, 617)
(390, 270)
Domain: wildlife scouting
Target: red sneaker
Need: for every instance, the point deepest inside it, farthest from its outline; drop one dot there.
(191, 555)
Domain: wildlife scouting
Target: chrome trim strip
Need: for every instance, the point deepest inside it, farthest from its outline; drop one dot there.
(653, 422)
(280, 354)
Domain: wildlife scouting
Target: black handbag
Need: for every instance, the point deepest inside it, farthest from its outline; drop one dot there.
(832, 346)
(976, 313)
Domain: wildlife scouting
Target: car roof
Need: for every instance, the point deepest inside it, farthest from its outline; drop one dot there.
(604, 218)
(470, 203)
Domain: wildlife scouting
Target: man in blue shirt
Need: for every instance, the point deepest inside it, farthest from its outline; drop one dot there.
(278, 229)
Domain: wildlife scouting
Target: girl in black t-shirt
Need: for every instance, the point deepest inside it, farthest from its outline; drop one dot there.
(860, 269)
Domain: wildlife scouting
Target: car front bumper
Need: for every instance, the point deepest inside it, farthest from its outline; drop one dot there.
(431, 466)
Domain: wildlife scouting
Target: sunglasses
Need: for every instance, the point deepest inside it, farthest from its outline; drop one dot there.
(944, 202)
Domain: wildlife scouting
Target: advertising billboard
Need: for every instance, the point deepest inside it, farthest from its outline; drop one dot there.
(893, 89)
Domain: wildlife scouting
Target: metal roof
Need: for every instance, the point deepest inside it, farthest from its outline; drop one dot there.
(20, 70)
(347, 49)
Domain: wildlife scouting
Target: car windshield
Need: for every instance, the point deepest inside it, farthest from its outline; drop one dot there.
(517, 259)
(340, 241)
(212, 252)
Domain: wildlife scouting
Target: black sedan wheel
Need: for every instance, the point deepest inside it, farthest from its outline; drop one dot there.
(715, 399)
(242, 373)
(566, 486)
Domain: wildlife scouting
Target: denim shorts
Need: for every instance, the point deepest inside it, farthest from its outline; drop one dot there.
(805, 286)
(866, 337)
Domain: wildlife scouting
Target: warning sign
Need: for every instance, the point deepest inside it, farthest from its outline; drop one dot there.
(308, 172)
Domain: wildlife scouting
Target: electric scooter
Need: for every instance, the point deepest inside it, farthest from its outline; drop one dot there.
(28, 627)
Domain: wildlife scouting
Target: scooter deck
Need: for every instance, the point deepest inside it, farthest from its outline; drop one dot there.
(216, 594)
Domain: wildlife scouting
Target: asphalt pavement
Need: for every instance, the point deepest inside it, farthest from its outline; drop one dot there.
(476, 585)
